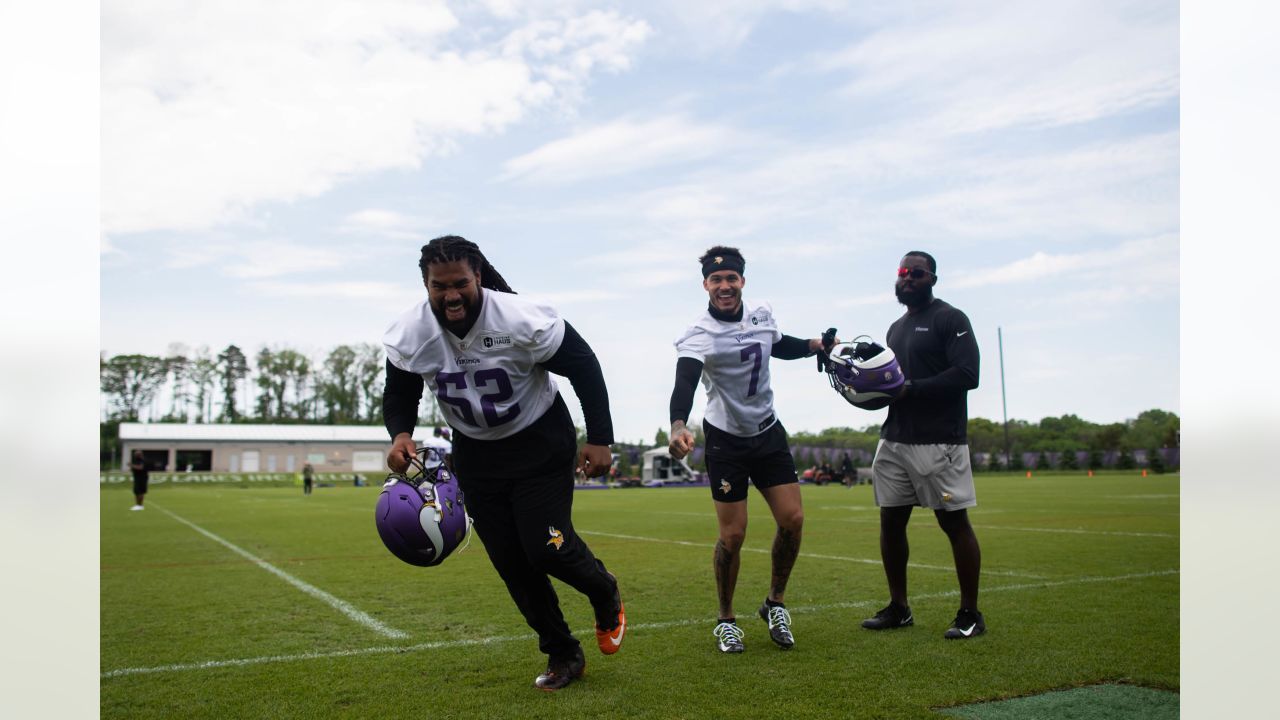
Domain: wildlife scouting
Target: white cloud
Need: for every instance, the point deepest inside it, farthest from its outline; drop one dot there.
(388, 223)
(987, 65)
(1132, 258)
(621, 147)
(210, 109)
(255, 259)
(397, 293)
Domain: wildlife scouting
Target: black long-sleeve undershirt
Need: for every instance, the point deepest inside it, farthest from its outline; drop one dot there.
(574, 359)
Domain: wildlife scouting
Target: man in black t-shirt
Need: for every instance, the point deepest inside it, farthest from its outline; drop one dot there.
(923, 455)
(140, 473)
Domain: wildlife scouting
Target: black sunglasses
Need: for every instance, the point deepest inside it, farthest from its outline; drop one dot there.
(915, 273)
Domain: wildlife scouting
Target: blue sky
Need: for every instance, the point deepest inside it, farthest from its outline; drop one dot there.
(269, 173)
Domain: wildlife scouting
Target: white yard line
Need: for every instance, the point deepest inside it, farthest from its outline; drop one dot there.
(1068, 531)
(865, 561)
(338, 604)
(1071, 531)
(445, 644)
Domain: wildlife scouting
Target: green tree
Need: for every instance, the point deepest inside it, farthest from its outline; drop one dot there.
(203, 374)
(1155, 461)
(178, 366)
(371, 378)
(338, 387)
(1070, 461)
(232, 368)
(1095, 459)
(661, 438)
(1125, 461)
(130, 382)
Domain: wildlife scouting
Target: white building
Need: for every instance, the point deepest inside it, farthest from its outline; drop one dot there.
(245, 448)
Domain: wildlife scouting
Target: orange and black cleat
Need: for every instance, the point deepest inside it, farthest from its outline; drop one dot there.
(610, 640)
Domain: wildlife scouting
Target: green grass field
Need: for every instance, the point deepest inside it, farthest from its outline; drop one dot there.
(227, 602)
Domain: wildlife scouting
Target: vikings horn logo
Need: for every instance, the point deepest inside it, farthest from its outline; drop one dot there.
(557, 538)
(719, 259)
(725, 487)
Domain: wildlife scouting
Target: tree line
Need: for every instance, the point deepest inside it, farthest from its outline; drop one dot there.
(280, 385)
(1068, 433)
(344, 387)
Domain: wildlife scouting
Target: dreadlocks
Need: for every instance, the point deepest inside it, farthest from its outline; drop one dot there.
(452, 248)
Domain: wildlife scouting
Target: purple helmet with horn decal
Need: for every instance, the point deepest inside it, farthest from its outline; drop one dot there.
(420, 515)
(865, 373)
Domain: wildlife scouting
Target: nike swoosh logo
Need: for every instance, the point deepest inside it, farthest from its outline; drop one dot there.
(968, 632)
(966, 332)
(617, 640)
(905, 621)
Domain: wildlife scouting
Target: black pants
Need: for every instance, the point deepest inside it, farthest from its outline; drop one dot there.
(526, 527)
(306, 486)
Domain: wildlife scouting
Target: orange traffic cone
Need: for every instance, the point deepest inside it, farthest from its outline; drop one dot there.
(1028, 473)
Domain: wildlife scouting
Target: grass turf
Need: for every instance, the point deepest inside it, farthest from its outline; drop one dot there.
(1080, 586)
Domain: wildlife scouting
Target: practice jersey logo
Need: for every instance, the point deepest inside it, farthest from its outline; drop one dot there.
(761, 317)
(492, 341)
(557, 538)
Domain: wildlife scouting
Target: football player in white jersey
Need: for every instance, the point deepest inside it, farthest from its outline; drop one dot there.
(487, 354)
(729, 346)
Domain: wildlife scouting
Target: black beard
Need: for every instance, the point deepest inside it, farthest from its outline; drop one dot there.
(914, 299)
(461, 327)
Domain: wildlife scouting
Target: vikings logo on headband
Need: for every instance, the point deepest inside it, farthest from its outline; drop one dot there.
(723, 262)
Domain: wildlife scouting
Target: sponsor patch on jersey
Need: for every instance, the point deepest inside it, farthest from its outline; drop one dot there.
(493, 341)
(760, 317)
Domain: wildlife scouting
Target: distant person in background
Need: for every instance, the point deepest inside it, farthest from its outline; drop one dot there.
(847, 474)
(308, 474)
(729, 346)
(923, 455)
(139, 468)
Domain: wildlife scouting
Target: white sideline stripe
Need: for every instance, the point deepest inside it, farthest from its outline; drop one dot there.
(1077, 531)
(388, 650)
(337, 603)
(865, 561)
(1069, 531)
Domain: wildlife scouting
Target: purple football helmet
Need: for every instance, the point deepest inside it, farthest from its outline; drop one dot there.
(421, 515)
(865, 373)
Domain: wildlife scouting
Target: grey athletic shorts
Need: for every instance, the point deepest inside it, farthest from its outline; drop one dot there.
(933, 476)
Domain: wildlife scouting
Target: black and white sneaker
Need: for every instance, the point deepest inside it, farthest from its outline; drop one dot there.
(968, 624)
(730, 637)
(779, 624)
(890, 617)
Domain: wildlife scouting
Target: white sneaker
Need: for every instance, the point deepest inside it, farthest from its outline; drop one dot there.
(136, 507)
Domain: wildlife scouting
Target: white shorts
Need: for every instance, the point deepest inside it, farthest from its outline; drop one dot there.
(933, 476)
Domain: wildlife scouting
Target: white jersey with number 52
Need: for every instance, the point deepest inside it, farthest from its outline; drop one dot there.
(488, 384)
(735, 367)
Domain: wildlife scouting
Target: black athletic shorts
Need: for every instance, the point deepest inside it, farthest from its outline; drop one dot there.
(139, 484)
(764, 458)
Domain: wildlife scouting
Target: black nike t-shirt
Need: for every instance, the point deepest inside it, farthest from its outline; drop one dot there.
(939, 355)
